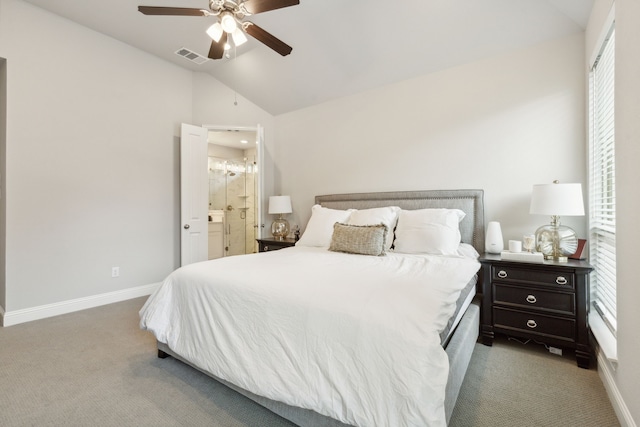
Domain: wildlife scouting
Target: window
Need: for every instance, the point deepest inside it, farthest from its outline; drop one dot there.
(602, 191)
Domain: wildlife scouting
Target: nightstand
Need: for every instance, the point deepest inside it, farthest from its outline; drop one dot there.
(546, 302)
(271, 244)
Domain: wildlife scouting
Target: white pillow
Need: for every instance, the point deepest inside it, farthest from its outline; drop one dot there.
(428, 231)
(320, 226)
(467, 251)
(387, 215)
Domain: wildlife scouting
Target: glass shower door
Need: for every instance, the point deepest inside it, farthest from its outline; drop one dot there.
(235, 214)
(240, 232)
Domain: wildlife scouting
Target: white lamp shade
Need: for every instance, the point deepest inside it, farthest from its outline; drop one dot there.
(215, 32)
(228, 22)
(557, 199)
(238, 37)
(280, 205)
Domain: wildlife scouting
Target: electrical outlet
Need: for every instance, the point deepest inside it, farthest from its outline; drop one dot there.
(115, 271)
(555, 350)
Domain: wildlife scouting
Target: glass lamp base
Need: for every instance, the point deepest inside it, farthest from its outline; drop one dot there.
(280, 228)
(556, 242)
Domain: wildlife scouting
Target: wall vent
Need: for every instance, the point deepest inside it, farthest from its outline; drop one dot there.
(192, 56)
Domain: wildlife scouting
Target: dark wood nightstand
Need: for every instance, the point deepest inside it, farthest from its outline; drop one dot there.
(546, 302)
(271, 244)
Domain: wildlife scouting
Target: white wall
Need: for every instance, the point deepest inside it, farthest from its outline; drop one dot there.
(92, 169)
(3, 179)
(626, 376)
(501, 124)
(628, 203)
(92, 152)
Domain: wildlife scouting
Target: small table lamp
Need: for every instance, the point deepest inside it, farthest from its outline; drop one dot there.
(280, 205)
(556, 241)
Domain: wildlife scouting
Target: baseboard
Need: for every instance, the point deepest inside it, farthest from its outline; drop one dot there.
(16, 317)
(620, 408)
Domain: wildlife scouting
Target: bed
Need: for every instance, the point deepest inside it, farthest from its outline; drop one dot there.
(290, 341)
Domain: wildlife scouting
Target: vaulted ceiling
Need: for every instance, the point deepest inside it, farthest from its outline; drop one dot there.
(340, 47)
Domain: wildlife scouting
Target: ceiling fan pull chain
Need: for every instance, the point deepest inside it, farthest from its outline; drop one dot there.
(235, 93)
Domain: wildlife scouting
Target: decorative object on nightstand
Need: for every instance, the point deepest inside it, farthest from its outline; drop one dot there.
(518, 255)
(546, 302)
(581, 251)
(522, 256)
(280, 205)
(529, 243)
(515, 246)
(556, 241)
(494, 244)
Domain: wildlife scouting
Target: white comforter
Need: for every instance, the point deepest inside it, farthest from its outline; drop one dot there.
(349, 336)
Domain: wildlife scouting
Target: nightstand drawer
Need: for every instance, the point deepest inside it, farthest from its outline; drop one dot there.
(534, 299)
(554, 279)
(538, 324)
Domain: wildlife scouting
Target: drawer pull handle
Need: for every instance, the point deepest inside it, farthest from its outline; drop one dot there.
(560, 280)
(266, 248)
(531, 299)
(532, 323)
(502, 274)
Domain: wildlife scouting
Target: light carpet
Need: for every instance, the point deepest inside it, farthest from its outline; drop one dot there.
(96, 368)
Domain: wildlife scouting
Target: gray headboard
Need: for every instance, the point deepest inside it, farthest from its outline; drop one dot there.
(469, 201)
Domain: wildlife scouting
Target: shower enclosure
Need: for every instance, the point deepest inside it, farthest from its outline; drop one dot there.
(233, 200)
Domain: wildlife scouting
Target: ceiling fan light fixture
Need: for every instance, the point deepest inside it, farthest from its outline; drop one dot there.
(215, 32)
(228, 22)
(227, 46)
(238, 37)
(230, 25)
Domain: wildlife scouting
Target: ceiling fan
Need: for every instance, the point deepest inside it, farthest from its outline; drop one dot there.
(230, 21)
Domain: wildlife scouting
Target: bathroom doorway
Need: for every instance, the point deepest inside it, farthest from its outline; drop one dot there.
(234, 191)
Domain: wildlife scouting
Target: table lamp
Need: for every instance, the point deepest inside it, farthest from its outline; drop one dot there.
(280, 205)
(555, 241)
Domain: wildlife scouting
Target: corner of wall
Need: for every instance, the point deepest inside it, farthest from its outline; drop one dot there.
(3, 189)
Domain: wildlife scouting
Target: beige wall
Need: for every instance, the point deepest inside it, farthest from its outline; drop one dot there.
(92, 182)
(628, 202)
(3, 179)
(92, 128)
(501, 124)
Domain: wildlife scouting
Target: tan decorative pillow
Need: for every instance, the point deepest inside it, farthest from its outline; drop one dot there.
(359, 239)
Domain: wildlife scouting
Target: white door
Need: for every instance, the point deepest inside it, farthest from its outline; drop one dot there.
(194, 195)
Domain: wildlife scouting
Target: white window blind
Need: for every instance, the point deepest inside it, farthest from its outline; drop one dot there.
(602, 194)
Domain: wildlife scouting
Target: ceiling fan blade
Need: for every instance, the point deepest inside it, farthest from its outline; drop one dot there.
(178, 11)
(216, 51)
(268, 39)
(259, 6)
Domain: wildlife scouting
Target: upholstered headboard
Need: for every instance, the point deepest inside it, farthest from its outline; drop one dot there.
(469, 201)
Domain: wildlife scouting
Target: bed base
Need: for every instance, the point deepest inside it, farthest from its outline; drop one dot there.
(459, 351)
